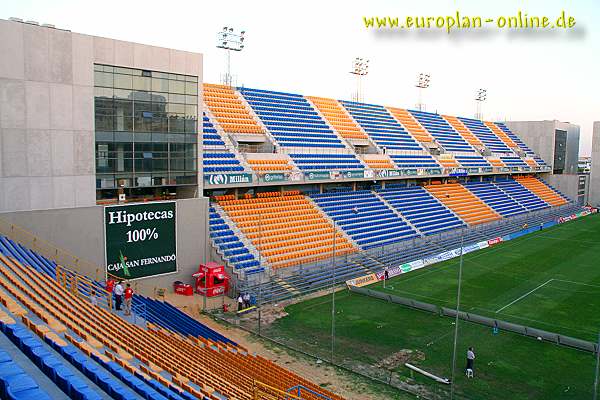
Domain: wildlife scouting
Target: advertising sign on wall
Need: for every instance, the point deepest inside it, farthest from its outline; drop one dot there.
(140, 239)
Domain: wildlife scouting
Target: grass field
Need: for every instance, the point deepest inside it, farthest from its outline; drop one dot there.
(549, 280)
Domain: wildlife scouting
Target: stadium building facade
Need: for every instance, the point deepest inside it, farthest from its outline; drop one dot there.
(595, 172)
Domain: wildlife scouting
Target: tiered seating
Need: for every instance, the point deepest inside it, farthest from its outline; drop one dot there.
(210, 137)
(468, 207)
(531, 162)
(517, 140)
(228, 109)
(443, 132)
(501, 202)
(411, 124)
(229, 245)
(363, 216)
(220, 161)
(379, 161)
(287, 230)
(281, 164)
(317, 161)
(15, 383)
(513, 162)
(336, 116)
(146, 361)
(463, 130)
(474, 161)
(421, 209)
(541, 190)
(291, 119)
(414, 161)
(385, 131)
(485, 134)
(496, 162)
(501, 134)
(521, 194)
(447, 160)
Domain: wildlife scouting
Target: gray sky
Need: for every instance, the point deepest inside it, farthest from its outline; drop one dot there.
(307, 47)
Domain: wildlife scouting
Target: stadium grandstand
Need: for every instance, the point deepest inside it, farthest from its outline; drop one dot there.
(290, 193)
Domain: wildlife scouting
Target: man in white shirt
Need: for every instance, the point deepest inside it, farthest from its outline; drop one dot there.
(118, 291)
(246, 300)
(470, 360)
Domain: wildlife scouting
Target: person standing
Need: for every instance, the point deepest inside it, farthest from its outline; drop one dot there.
(470, 360)
(128, 299)
(93, 298)
(246, 300)
(118, 291)
(240, 301)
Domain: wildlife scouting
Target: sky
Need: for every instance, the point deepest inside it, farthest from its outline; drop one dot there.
(308, 46)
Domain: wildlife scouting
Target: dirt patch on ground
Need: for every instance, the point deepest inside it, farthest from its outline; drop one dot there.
(400, 358)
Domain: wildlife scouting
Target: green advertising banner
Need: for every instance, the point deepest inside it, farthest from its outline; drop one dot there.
(274, 177)
(317, 176)
(226, 179)
(354, 174)
(140, 239)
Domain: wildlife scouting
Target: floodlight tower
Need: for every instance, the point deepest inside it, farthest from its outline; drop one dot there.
(423, 82)
(480, 98)
(229, 39)
(360, 68)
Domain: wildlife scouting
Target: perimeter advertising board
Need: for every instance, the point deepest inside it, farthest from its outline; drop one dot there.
(140, 239)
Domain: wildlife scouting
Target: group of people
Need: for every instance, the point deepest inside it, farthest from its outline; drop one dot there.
(120, 293)
(243, 301)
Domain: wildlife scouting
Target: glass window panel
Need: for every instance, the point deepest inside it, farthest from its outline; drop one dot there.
(142, 106)
(191, 111)
(158, 97)
(123, 94)
(142, 83)
(142, 96)
(190, 125)
(176, 98)
(109, 68)
(191, 88)
(190, 78)
(104, 122)
(123, 108)
(123, 81)
(160, 85)
(174, 108)
(161, 75)
(98, 67)
(177, 87)
(191, 99)
(103, 92)
(103, 79)
(121, 70)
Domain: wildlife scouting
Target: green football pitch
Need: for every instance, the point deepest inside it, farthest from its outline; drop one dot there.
(548, 280)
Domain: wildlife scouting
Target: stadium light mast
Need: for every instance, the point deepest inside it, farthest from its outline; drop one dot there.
(423, 82)
(460, 268)
(360, 68)
(480, 97)
(333, 293)
(230, 40)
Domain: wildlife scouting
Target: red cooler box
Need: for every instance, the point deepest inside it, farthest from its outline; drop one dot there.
(183, 289)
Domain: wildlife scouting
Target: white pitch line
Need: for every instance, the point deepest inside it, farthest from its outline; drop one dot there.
(525, 295)
(577, 283)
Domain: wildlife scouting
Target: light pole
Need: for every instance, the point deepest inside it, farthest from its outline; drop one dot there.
(597, 369)
(360, 68)
(228, 39)
(260, 242)
(480, 97)
(333, 292)
(460, 266)
(423, 82)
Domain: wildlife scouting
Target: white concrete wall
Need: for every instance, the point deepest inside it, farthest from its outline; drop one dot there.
(47, 157)
(595, 175)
